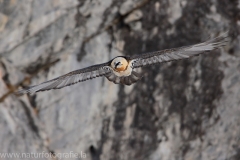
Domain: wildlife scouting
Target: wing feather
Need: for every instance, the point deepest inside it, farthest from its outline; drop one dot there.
(178, 53)
(70, 78)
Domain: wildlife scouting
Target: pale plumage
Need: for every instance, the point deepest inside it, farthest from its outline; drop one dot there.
(121, 69)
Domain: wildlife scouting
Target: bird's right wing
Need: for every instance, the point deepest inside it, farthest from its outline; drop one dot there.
(70, 78)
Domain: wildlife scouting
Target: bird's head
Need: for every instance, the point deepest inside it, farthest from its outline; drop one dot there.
(119, 64)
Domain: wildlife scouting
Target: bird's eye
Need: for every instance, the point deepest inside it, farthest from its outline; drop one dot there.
(117, 63)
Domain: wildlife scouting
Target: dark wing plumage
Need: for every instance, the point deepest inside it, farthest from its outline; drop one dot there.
(178, 53)
(70, 78)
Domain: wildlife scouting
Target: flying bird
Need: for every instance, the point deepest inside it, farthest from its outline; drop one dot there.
(121, 69)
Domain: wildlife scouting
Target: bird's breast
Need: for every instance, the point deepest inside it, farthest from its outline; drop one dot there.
(120, 69)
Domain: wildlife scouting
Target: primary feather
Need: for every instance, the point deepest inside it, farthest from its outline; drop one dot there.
(69, 79)
(178, 53)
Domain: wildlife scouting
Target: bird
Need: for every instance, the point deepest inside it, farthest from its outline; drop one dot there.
(121, 69)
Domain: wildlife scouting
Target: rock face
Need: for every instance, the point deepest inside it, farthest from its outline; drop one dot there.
(188, 109)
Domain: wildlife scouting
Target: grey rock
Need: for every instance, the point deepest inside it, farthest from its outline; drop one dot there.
(126, 7)
(12, 75)
(134, 16)
(129, 5)
(187, 109)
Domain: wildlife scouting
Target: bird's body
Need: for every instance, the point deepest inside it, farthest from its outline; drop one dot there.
(121, 69)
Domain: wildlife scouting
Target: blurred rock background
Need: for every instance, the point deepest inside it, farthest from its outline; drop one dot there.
(184, 110)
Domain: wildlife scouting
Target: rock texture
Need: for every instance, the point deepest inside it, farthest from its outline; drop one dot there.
(188, 109)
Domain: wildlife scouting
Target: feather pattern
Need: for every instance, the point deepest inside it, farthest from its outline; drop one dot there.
(178, 53)
(70, 78)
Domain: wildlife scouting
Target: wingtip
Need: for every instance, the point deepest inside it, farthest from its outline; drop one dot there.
(22, 92)
(220, 40)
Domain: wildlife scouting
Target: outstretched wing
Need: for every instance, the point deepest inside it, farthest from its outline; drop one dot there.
(178, 53)
(70, 78)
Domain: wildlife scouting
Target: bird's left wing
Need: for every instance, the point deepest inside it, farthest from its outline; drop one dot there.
(178, 53)
(70, 78)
